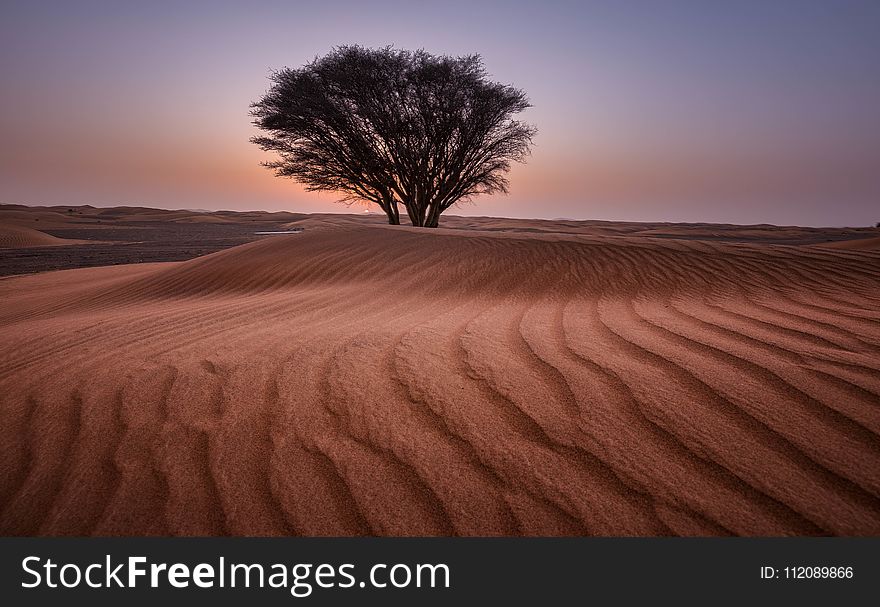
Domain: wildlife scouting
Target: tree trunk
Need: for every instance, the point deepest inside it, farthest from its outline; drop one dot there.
(390, 208)
(423, 215)
(417, 217)
(393, 215)
(433, 219)
(411, 213)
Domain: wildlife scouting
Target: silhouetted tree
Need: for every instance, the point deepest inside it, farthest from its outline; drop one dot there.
(394, 127)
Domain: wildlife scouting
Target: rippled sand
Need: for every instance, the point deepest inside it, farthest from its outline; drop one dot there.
(361, 379)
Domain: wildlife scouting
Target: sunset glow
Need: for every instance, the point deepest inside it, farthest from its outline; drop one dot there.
(744, 113)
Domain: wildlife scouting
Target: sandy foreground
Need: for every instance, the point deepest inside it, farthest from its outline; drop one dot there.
(498, 377)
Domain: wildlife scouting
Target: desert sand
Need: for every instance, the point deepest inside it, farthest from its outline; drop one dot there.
(23, 237)
(494, 377)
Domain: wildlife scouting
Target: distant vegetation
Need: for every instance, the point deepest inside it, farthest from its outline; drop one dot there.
(394, 127)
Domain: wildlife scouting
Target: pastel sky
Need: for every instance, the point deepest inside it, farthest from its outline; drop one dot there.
(742, 112)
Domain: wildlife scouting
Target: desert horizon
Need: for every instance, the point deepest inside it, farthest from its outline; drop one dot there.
(488, 377)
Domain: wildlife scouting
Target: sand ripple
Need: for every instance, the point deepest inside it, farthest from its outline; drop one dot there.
(366, 380)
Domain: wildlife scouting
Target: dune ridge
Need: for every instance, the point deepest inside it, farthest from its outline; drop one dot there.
(358, 379)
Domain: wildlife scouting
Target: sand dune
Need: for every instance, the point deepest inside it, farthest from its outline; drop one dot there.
(198, 218)
(360, 379)
(21, 237)
(872, 244)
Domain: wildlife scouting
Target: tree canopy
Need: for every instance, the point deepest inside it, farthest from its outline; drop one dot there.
(395, 128)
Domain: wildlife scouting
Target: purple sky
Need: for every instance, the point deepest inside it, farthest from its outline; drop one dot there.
(742, 112)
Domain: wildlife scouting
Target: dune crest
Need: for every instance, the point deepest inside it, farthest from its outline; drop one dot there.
(357, 379)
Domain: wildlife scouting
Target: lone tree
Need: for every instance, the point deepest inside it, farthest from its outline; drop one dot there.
(394, 127)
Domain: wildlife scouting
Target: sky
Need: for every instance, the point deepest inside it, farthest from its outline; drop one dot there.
(697, 111)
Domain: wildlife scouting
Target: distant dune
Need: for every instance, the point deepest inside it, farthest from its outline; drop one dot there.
(491, 378)
(864, 244)
(20, 237)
